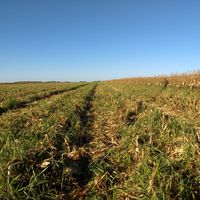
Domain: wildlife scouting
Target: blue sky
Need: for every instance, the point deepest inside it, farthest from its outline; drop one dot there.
(97, 39)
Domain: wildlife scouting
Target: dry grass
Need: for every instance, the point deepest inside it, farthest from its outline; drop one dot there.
(124, 139)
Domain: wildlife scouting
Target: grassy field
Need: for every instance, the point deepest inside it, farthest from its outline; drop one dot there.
(123, 139)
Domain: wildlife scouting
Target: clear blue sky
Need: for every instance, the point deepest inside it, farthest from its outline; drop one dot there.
(97, 39)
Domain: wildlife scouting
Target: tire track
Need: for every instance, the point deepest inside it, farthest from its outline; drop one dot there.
(78, 160)
(65, 161)
(24, 104)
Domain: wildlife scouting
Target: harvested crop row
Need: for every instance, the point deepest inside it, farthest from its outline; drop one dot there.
(106, 141)
(20, 91)
(183, 102)
(20, 100)
(165, 156)
(39, 144)
(140, 153)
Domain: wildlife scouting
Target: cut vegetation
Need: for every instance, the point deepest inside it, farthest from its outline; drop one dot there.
(122, 139)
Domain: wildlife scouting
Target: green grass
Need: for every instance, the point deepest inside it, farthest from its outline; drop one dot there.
(14, 96)
(33, 135)
(113, 140)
